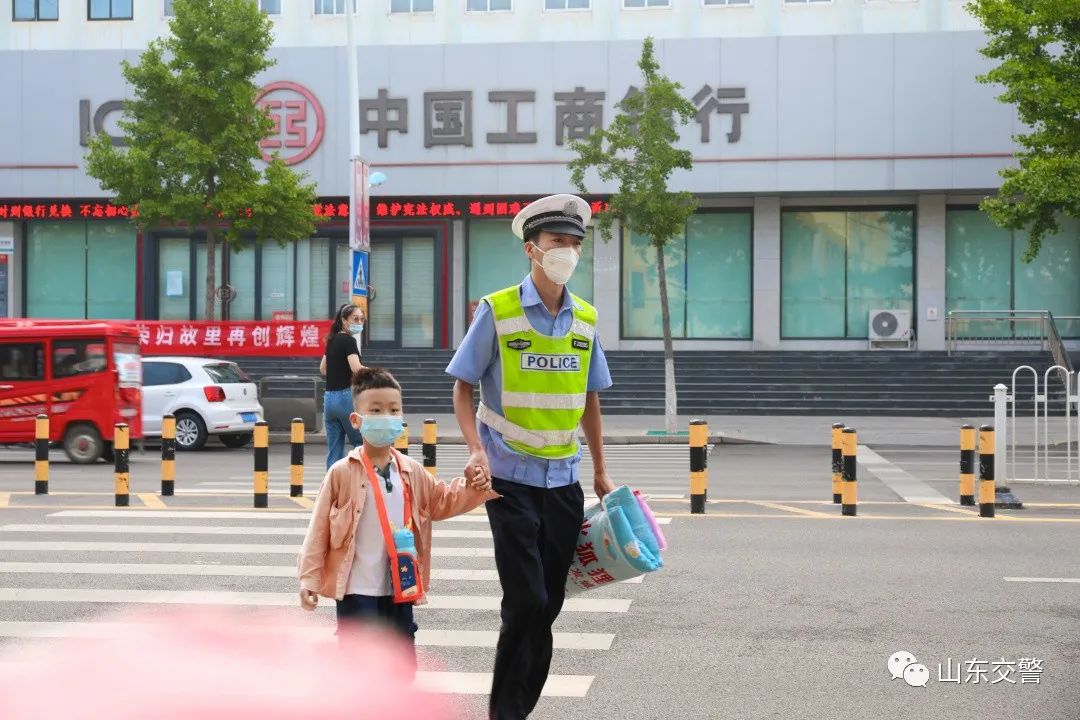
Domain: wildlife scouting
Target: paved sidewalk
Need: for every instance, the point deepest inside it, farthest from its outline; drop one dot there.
(742, 429)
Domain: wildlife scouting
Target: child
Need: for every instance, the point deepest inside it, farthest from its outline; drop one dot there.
(362, 502)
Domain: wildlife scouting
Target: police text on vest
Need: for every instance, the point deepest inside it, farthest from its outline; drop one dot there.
(551, 363)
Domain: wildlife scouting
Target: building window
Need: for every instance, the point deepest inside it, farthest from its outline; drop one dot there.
(489, 5)
(97, 278)
(35, 10)
(708, 271)
(566, 4)
(727, 3)
(646, 3)
(984, 270)
(412, 6)
(109, 9)
(332, 7)
(837, 266)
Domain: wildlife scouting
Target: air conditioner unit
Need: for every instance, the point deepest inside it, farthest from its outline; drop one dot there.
(889, 327)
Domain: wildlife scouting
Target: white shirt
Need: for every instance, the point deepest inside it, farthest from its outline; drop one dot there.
(370, 573)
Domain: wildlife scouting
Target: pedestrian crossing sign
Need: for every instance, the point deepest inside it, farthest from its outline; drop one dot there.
(359, 273)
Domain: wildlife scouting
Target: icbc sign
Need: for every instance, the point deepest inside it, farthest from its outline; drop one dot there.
(295, 111)
(298, 121)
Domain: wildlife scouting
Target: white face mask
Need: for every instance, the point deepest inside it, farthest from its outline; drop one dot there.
(559, 263)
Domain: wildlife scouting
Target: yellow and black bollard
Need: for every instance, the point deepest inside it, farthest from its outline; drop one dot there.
(849, 497)
(402, 442)
(837, 461)
(168, 455)
(431, 438)
(41, 455)
(296, 460)
(699, 463)
(967, 465)
(262, 464)
(986, 471)
(121, 466)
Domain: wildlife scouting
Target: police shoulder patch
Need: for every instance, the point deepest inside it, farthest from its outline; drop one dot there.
(580, 344)
(518, 344)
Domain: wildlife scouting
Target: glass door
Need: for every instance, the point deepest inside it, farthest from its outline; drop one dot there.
(402, 312)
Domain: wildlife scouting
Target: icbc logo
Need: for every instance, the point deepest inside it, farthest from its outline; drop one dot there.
(298, 121)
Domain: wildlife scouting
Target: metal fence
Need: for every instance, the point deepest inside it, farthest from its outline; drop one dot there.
(1047, 449)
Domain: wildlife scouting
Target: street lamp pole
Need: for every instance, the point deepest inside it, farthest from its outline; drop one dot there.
(354, 147)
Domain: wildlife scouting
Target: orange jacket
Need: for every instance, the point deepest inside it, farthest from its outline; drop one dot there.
(326, 556)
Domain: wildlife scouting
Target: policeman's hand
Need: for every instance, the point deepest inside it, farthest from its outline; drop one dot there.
(477, 469)
(308, 599)
(602, 485)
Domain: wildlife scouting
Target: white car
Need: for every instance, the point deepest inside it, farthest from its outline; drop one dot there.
(208, 397)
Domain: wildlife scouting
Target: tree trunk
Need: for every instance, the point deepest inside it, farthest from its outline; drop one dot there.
(670, 401)
(211, 272)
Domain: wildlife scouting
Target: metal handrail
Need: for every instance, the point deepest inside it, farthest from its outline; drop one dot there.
(1045, 332)
(1057, 348)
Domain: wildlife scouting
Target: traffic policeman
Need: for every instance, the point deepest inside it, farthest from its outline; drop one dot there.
(534, 351)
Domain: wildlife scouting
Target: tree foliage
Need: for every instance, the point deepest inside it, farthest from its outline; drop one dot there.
(1038, 45)
(193, 133)
(637, 152)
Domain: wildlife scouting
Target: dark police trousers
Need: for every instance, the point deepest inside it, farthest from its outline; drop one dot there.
(535, 532)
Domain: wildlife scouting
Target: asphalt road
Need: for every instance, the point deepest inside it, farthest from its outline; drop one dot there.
(769, 605)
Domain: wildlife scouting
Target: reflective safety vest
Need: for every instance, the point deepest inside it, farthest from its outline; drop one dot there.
(544, 378)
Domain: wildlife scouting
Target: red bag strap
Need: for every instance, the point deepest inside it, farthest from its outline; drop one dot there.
(384, 520)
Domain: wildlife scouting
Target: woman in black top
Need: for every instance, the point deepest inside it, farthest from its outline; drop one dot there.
(340, 361)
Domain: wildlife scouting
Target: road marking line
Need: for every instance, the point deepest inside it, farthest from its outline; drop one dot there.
(901, 482)
(785, 508)
(5, 499)
(464, 683)
(202, 530)
(425, 638)
(1041, 580)
(185, 514)
(271, 599)
(151, 500)
(306, 503)
(947, 508)
(208, 548)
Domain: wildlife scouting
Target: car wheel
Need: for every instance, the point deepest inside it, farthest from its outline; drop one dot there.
(83, 444)
(235, 440)
(190, 431)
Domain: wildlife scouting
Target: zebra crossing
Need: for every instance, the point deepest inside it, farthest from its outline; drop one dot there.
(60, 571)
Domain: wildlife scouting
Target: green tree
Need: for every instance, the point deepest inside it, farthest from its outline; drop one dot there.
(193, 133)
(1038, 45)
(637, 152)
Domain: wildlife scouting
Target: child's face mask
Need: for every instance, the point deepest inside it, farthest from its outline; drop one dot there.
(381, 430)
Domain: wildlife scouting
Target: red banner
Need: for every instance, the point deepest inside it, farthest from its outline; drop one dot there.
(213, 339)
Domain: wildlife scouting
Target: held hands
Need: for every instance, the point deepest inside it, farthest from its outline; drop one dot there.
(478, 471)
(308, 599)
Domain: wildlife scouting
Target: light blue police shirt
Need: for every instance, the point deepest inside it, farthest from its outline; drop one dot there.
(477, 362)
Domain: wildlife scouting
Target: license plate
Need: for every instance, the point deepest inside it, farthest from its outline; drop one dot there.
(248, 417)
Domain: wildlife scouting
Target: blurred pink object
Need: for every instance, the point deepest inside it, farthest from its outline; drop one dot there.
(661, 541)
(214, 665)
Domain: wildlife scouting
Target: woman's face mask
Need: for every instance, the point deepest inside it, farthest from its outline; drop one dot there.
(356, 328)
